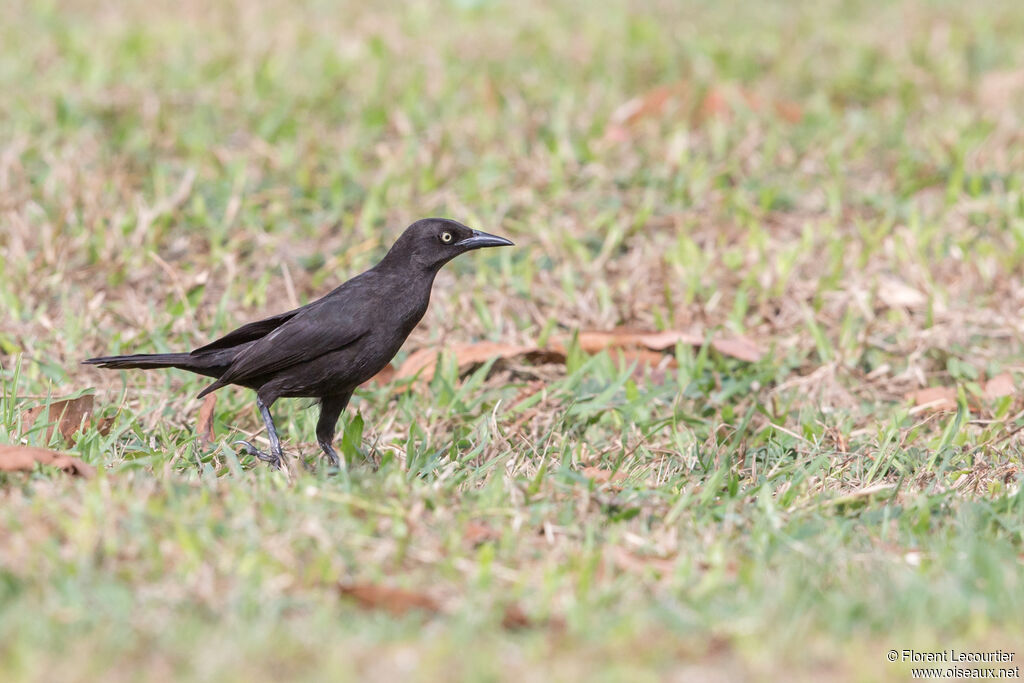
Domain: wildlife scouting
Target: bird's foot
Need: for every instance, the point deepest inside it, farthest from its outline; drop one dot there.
(332, 455)
(273, 459)
(333, 460)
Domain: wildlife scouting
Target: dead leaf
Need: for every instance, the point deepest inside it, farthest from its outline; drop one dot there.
(396, 601)
(104, 424)
(740, 348)
(721, 101)
(632, 110)
(515, 619)
(933, 398)
(477, 533)
(66, 415)
(594, 341)
(204, 427)
(717, 102)
(24, 459)
(790, 112)
(381, 378)
(602, 476)
(423, 362)
(999, 386)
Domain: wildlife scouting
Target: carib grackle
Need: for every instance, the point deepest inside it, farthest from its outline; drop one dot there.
(327, 348)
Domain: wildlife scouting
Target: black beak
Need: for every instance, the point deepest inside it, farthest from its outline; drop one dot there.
(479, 240)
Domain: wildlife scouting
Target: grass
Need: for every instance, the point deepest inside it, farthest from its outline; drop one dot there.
(171, 170)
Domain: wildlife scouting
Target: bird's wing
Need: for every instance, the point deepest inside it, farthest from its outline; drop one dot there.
(309, 334)
(249, 332)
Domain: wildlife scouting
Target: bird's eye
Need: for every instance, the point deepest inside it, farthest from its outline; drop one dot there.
(446, 237)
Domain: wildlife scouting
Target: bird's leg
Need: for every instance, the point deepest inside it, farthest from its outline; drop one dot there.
(276, 456)
(330, 409)
(275, 442)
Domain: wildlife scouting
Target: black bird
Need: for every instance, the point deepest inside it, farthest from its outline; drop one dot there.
(326, 349)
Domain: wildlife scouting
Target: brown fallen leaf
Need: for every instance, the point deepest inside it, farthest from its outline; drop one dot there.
(204, 426)
(515, 619)
(789, 111)
(381, 378)
(647, 104)
(933, 398)
(632, 110)
(999, 386)
(594, 341)
(422, 363)
(630, 344)
(24, 459)
(396, 601)
(66, 415)
(718, 101)
(740, 348)
(715, 103)
(477, 533)
(721, 102)
(104, 424)
(602, 476)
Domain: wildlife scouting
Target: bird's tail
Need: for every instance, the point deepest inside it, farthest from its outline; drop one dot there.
(145, 361)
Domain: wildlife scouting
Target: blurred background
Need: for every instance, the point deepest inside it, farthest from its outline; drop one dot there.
(835, 185)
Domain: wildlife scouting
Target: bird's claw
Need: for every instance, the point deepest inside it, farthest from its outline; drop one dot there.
(333, 460)
(332, 455)
(274, 460)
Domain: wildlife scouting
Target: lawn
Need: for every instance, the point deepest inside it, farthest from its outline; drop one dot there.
(819, 205)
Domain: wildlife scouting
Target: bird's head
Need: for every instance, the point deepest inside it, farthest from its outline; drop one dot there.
(432, 242)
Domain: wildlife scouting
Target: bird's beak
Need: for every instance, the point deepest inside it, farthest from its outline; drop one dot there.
(479, 240)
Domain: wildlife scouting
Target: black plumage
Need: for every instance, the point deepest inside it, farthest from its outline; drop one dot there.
(329, 347)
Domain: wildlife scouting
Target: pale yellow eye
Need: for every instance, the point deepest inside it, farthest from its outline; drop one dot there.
(446, 237)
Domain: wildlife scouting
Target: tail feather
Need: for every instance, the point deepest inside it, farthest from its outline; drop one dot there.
(210, 389)
(212, 360)
(145, 361)
(211, 365)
